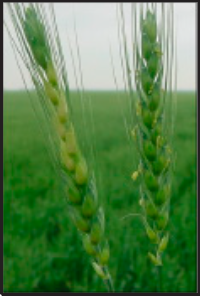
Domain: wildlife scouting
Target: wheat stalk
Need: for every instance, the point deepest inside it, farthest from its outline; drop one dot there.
(43, 56)
(152, 68)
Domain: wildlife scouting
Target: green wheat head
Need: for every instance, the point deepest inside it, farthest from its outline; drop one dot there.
(52, 87)
(153, 58)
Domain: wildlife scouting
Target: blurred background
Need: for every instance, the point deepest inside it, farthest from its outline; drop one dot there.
(42, 249)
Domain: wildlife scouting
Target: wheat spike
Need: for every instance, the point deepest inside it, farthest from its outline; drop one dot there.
(152, 67)
(51, 84)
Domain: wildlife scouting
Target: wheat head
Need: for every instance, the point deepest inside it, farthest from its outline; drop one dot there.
(79, 185)
(153, 141)
(151, 106)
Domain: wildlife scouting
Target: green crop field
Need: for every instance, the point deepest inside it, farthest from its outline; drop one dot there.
(42, 249)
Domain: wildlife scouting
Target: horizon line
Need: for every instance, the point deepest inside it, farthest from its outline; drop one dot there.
(89, 89)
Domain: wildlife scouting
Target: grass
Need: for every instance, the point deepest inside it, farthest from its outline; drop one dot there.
(42, 251)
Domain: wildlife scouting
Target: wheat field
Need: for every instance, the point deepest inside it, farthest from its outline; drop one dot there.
(42, 250)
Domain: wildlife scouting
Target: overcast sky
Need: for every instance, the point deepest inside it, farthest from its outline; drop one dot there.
(97, 28)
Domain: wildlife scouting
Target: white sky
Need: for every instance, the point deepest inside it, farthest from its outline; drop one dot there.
(97, 28)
